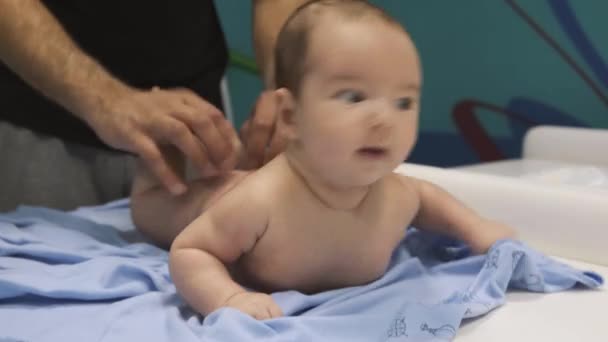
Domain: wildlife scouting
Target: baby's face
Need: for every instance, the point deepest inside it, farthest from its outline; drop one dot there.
(357, 111)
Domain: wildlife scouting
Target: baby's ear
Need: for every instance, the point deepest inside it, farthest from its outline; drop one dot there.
(286, 109)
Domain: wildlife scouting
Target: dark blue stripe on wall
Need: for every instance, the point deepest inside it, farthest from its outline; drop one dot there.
(571, 26)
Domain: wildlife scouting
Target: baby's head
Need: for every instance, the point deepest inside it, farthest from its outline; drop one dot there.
(348, 79)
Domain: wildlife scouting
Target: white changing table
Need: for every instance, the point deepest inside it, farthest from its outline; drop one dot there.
(555, 209)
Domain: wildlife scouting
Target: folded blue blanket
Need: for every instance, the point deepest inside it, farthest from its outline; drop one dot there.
(80, 276)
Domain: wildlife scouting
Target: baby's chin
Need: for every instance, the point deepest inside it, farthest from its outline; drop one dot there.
(375, 173)
(358, 175)
(352, 179)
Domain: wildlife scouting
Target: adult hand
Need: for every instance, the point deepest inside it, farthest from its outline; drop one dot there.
(262, 141)
(141, 122)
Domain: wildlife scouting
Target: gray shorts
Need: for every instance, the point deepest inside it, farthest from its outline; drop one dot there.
(45, 171)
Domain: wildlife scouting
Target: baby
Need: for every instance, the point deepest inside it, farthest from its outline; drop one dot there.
(329, 211)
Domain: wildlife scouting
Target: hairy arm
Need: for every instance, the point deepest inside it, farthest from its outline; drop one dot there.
(216, 238)
(268, 18)
(36, 47)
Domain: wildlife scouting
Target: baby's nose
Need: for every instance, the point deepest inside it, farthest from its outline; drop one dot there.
(379, 117)
(380, 125)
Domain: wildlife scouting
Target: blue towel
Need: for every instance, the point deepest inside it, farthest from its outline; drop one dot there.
(85, 276)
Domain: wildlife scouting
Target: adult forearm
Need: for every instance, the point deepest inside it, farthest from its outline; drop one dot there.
(37, 48)
(268, 18)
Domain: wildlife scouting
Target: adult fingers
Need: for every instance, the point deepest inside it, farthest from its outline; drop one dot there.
(277, 145)
(209, 125)
(149, 152)
(261, 129)
(228, 132)
(178, 134)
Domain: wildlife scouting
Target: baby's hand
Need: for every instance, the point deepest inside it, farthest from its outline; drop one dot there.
(486, 233)
(258, 305)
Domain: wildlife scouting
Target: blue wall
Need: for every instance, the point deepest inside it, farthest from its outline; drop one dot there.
(492, 69)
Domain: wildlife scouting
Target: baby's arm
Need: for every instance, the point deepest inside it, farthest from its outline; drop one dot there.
(442, 213)
(218, 237)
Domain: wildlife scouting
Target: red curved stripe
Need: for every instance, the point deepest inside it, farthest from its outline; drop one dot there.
(463, 112)
(473, 132)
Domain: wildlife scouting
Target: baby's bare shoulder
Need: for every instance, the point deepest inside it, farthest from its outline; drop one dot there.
(402, 184)
(259, 189)
(251, 190)
(402, 189)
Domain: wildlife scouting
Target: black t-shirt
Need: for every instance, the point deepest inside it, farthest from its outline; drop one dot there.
(145, 43)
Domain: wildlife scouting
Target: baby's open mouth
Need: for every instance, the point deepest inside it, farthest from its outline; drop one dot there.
(372, 152)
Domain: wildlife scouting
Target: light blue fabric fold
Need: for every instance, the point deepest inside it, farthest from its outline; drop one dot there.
(80, 276)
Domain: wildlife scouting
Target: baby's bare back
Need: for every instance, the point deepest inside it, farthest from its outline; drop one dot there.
(310, 247)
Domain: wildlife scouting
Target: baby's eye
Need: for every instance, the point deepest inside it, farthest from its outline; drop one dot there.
(405, 103)
(351, 96)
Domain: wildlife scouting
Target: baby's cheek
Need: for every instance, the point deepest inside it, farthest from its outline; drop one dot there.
(330, 146)
(407, 139)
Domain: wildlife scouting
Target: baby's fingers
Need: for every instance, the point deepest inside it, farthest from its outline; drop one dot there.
(274, 310)
(260, 313)
(266, 311)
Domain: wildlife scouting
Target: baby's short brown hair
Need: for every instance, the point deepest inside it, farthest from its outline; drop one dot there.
(293, 40)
